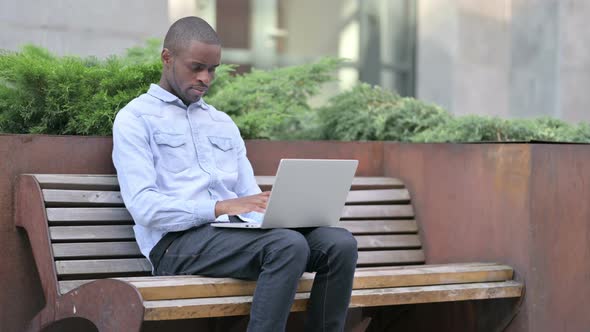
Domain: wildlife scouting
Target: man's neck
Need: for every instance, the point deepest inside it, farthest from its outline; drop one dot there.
(164, 85)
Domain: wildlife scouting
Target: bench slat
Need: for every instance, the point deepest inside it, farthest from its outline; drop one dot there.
(60, 197)
(359, 226)
(113, 214)
(105, 266)
(390, 257)
(68, 285)
(88, 214)
(140, 265)
(109, 182)
(358, 182)
(125, 249)
(77, 181)
(379, 226)
(378, 196)
(96, 249)
(240, 305)
(75, 231)
(163, 288)
(96, 233)
(377, 211)
(57, 197)
(184, 287)
(125, 232)
(387, 241)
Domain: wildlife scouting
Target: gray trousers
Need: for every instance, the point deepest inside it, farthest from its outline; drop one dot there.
(276, 259)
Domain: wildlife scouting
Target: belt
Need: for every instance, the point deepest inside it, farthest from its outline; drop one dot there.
(159, 249)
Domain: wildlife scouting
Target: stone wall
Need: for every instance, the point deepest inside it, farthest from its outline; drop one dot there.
(82, 27)
(507, 58)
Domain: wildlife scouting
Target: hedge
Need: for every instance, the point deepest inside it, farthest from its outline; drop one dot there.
(43, 93)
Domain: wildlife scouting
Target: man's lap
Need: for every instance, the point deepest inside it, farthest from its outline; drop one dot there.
(239, 253)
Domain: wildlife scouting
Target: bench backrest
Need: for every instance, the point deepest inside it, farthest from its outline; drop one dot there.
(91, 233)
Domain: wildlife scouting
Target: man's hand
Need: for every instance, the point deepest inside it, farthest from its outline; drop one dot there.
(244, 204)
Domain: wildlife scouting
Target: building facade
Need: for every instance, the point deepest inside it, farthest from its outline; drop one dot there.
(507, 58)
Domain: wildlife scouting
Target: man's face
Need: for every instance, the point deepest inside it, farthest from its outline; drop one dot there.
(189, 71)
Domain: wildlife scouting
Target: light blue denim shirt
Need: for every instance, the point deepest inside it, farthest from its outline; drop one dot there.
(175, 162)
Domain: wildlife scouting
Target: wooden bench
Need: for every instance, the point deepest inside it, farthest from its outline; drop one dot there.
(90, 266)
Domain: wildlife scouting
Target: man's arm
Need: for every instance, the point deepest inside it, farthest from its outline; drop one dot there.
(240, 205)
(246, 185)
(136, 173)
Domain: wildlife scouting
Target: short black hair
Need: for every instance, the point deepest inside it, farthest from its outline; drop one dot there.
(187, 29)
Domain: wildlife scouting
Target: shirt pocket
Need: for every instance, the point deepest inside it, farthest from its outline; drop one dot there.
(173, 153)
(224, 153)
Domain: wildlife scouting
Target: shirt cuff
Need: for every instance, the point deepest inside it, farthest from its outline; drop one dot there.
(253, 216)
(205, 210)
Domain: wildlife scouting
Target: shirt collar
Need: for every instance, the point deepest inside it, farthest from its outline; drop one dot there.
(158, 92)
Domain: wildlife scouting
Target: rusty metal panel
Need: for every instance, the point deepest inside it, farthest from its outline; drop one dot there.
(525, 205)
(471, 201)
(521, 204)
(265, 155)
(21, 297)
(78, 154)
(559, 278)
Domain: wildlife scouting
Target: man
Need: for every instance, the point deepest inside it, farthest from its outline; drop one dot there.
(181, 163)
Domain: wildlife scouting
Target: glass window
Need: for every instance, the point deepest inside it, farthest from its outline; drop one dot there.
(376, 36)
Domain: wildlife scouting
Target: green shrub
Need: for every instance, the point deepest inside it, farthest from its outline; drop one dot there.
(470, 128)
(473, 128)
(371, 113)
(148, 53)
(272, 104)
(42, 93)
(45, 94)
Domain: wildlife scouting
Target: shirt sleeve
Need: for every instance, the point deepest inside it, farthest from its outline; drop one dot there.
(246, 184)
(133, 160)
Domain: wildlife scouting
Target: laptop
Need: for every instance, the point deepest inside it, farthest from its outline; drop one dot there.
(306, 193)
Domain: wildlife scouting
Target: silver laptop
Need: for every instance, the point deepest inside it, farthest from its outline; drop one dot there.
(306, 193)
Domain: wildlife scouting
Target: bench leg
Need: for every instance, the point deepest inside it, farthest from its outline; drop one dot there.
(362, 326)
(111, 305)
(357, 320)
(41, 319)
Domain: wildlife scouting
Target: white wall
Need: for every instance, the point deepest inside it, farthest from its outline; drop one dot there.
(509, 58)
(81, 27)
(574, 60)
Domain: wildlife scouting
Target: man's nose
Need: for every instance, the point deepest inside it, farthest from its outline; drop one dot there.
(204, 76)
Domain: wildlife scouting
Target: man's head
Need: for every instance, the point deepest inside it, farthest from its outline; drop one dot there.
(191, 54)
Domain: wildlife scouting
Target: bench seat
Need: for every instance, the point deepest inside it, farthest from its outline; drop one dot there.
(185, 297)
(81, 234)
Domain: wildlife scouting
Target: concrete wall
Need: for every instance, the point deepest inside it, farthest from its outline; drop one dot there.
(574, 67)
(508, 58)
(81, 27)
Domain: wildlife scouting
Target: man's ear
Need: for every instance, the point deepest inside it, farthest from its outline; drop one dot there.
(166, 56)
